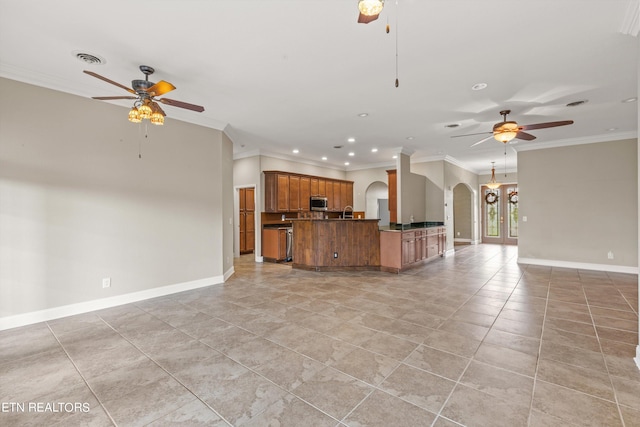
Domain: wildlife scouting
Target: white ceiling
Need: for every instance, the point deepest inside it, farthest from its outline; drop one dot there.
(285, 74)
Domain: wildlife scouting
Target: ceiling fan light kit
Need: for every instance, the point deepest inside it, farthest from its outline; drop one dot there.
(505, 132)
(369, 10)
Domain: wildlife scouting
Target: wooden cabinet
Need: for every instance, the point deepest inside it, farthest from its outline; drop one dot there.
(322, 187)
(400, 250)
(274, 244)
(287, 192)
(276, 192)
(305, 193)
(393, 195)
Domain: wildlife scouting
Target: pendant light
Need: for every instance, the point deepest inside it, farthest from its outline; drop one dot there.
(493, 184)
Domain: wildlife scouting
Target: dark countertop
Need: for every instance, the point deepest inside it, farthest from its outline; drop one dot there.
(412, 226)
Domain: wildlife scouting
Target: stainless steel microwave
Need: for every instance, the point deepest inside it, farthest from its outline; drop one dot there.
(318, 203)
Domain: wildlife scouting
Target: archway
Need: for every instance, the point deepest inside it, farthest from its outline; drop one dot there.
(464, 224)
(377, 202)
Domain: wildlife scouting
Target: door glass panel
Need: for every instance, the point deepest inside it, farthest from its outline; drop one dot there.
(492, 212)
(512, 206)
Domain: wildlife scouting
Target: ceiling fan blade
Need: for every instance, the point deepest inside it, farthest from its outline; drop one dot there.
(482, 140)
(525, 136)
(181, 104)
(471, 134)
(160, 88)
(106, 98)
(365, 19)
(546, 125)
(98, 76)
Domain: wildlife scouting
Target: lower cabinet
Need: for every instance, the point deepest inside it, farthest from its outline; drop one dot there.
(405, 249)
(274, 244)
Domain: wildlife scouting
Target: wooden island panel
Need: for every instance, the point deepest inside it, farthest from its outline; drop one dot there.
(336, 244)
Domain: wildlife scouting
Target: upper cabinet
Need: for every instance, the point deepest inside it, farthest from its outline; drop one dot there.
(288, 192)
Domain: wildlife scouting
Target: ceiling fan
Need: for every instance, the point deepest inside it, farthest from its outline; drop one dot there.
(146, 104)
(505, 131)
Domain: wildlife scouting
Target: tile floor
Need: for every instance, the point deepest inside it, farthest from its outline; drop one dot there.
(473, 339)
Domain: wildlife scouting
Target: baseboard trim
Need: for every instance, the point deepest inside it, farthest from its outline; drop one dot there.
(30, 318)
(579, 265)
(228, 274)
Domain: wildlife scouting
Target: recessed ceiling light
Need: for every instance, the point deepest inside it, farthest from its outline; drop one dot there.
(479, 86)
(363, 114)
(324, 157)
(576, 103)
(374, 150)
(351, 139)
(611, 129)
(452, 125)
(410, 138)
(296, 151)
(351, 153)
(395, 156)
(346, 163)
(634, 99)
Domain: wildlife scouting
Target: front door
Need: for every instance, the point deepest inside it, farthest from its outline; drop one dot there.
(500, 214)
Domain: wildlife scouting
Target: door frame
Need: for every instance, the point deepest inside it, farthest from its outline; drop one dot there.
(236, 219)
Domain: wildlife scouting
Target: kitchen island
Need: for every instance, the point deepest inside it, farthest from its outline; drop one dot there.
(336, 244)
(407, 246)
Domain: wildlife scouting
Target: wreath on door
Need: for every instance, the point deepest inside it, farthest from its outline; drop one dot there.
(491, 198)
(513, 197)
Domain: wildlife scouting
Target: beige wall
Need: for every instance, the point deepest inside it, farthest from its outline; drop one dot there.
(78, 205)
(580, 202)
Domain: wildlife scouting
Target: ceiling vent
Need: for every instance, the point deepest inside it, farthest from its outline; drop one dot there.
(89, 58)
(576, 103)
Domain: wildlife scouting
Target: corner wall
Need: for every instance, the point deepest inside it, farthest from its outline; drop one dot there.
(77, 205)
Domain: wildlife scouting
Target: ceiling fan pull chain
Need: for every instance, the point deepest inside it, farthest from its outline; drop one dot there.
(397, 81)
(505, 160)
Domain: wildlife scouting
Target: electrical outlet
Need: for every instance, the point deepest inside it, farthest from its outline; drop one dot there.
(106, 282)
(610, 255)
(335, 254)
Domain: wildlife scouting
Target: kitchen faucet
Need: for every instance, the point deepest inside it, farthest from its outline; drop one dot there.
(344, 212)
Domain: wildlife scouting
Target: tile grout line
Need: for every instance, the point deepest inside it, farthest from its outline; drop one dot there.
(606, 365)
(81, 375)
(544, 321)
(161, 367)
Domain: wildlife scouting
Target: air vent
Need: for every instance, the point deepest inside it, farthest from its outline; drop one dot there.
(452, 125)
(338, 146)
(89, 58)
(576, 103)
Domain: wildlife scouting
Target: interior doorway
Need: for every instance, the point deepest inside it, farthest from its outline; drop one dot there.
(375, 207)
(500, 214)
(463, 223)
(247, 220)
